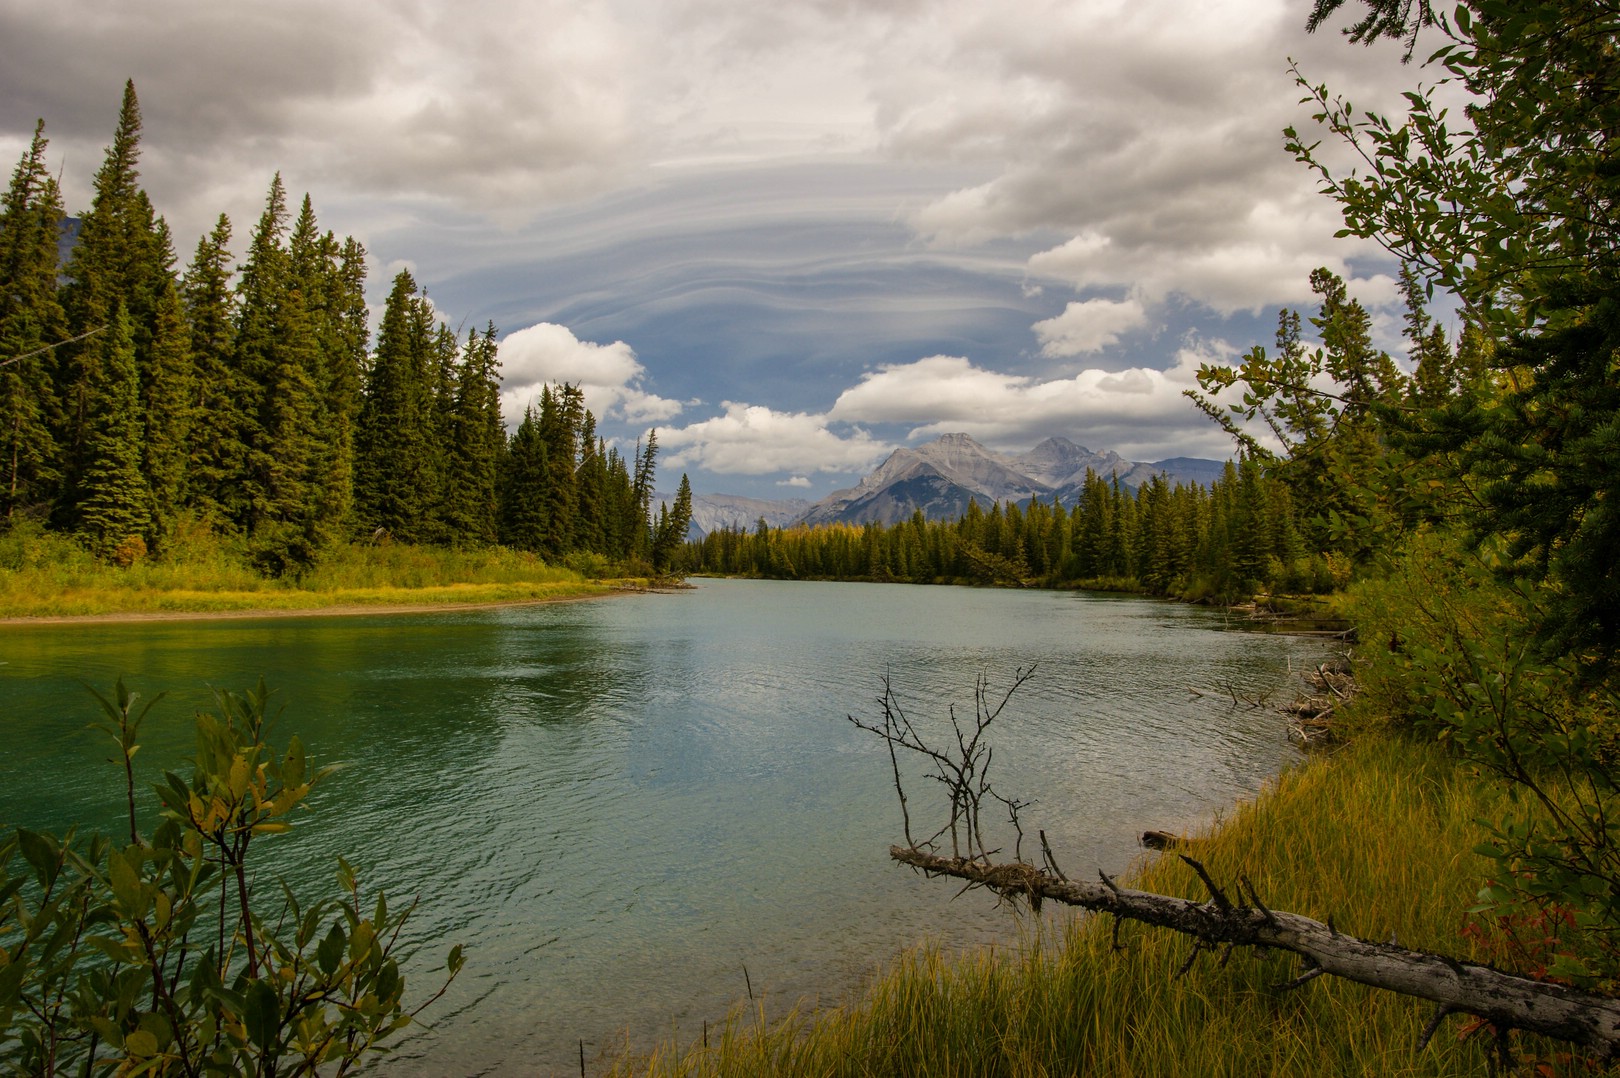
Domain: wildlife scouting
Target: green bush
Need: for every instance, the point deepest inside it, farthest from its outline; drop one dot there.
(160, 955)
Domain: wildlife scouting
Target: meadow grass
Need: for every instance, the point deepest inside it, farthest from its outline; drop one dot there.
(47, 575)
(1377, 838)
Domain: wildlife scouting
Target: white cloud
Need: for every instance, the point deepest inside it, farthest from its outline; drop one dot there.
(1140, 412)
(921, 391)
(608, 374)
(755, 440)
(1089, 326)
(794, 481)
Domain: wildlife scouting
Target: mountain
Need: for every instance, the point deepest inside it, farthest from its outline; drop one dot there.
(941, 476)
(713, 512)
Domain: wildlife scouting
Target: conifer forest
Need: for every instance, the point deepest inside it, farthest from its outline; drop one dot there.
(140, 403)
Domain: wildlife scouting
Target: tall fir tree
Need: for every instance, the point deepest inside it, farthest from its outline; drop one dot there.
(218, 455)
(476, 443)
(121, 259)
(168, 412)
(115, 512)
(32, 322)
(397, 485)
(523, 479)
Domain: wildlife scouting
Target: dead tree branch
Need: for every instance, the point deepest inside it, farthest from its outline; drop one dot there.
(1507, 1001)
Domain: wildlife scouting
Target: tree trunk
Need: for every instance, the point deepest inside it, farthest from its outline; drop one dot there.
(1506, 1000)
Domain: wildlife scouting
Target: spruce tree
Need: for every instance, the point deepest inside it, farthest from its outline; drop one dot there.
(477, 441)
(168, 400)
(122, 259)
(218, 455)
(523, 507)
(31, 323)
(561, 415)
(115, 512)
(672, 527)
(397, 485)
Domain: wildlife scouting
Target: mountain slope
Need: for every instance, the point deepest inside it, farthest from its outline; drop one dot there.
(939, 477)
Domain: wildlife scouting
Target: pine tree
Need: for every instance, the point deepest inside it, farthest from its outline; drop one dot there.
(397, 485)
(168, 411)
(115, 513)
(672, 527)
(121, 259)
(31, 322)
(476, 443)
(218, 454)
(523, 522)
(561, 417)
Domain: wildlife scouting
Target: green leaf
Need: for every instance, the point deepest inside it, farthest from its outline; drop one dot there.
(330, 952)
(42, 852)
(261, 1013)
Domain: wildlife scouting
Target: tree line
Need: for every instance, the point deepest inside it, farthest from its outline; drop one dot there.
(137, 401)
(1298, 518)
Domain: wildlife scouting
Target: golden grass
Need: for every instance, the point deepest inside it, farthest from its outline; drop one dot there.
(44, 575)
(1376, 838)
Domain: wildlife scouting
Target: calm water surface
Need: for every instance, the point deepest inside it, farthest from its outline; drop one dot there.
(616, 806)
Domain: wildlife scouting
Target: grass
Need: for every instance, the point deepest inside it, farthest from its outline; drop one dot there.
(47, 575)
(1377, 838)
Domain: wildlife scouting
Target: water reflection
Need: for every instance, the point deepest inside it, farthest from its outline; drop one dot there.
(616, 805)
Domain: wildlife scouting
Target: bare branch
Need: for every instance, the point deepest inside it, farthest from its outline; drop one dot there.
(1506, 1000)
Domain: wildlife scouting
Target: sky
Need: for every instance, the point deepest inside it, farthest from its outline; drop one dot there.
(790, 236)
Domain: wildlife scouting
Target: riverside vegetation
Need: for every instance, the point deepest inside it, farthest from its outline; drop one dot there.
(1470, 509)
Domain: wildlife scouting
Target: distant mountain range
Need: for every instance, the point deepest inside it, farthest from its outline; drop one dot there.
(941, 476)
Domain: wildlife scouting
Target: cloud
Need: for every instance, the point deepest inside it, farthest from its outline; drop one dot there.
(1088, 326)
(1140, 412)
(921, 391)
(1149, 137)
(751, 439)
(794, 481)
(608, 374)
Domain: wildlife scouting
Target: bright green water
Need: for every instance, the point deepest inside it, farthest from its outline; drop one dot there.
(618, 805)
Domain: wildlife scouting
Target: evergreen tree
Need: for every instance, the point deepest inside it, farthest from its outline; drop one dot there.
(168, 410)
(672, 527)
(561, 418)
(31, 322)
(397, 484)
(476, 444)
(218, 454)
(121, 259)
(523, 522)
(115, 513)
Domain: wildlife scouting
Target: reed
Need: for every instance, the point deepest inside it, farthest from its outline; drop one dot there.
(1376, 838)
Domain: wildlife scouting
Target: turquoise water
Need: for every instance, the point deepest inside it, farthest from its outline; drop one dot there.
(618, 806)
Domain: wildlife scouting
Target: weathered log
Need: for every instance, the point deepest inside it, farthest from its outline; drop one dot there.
(1506, 1000)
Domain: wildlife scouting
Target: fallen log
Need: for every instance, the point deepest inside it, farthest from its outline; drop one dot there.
(1506, 1000)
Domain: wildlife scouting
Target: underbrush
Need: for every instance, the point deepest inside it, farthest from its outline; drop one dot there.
(44, 574)
(1375, 839)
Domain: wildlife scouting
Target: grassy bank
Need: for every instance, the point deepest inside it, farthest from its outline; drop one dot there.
(1375, 838)
(45, 575)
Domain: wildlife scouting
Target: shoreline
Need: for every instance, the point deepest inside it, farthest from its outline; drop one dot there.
(334, 610)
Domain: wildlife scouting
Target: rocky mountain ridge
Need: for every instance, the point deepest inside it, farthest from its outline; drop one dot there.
(941, 476)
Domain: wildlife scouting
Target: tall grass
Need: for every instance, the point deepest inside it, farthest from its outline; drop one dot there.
(43, 574)
(1376, 839)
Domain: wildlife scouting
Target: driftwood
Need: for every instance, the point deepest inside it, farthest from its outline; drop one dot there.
(1506, 1000)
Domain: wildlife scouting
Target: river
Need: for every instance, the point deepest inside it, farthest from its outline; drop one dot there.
(619, 806)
